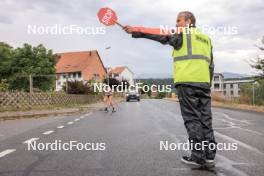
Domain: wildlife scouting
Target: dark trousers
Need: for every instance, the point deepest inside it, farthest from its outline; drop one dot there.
(195, 104)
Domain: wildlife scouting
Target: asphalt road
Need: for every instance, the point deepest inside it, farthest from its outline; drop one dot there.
(131, 138)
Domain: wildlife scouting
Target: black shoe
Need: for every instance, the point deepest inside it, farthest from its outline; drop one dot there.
(191, 161)
(113, 110)
(105, 110)
(209, 162)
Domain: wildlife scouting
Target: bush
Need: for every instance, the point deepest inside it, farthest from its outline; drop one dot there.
(3, 85)
(161, 95)
(247, 93)
(77, 87)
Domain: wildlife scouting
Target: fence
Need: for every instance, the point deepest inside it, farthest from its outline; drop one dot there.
(27, 100)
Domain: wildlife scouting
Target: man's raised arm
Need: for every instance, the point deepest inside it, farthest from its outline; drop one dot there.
(174, 40)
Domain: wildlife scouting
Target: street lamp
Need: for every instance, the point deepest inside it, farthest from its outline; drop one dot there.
(107, 71)
(253, 92)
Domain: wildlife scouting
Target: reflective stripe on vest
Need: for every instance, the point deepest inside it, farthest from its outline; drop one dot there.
(192, 60)
(189, 52)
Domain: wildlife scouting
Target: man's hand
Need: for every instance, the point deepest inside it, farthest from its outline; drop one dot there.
(128, 29)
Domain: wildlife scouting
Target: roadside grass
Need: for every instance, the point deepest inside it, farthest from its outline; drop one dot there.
(55, 107)
(230, 105)
(41, 107)
(239, 106)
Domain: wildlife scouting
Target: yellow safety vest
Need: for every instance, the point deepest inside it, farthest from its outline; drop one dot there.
(192, 60)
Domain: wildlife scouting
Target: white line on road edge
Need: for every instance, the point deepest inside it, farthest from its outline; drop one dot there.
(76, 120)
(69, 123)
(239, 143)
(6, 152)
(90, 113)
(48, 132)
(60, 127)
(30, 140)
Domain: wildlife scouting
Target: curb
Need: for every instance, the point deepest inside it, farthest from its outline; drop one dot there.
(46, 112)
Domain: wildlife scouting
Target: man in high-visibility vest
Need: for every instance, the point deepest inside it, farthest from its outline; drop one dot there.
(193, 70)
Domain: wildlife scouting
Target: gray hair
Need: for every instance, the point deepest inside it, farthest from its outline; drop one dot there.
(189, 16)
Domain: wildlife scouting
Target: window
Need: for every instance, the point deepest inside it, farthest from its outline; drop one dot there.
(224, 86)
(216, 86)
(224, 92)
(74, 75)
(116, 75)
(231, 86)
(231, 92)
(96, 76)
(79, 74)
(59, 83)
(64, 76)
(216, 78)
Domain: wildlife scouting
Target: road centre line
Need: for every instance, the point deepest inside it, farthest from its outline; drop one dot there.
(6, 152)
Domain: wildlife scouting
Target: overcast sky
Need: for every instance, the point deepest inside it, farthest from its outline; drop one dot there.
(231, 51)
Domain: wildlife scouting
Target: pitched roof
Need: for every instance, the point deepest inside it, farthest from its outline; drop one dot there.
(118, 70)
(75, 61)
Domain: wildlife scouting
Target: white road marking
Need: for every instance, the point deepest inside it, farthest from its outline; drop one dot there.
(60, 127)
(82, 117)
(69, 123)
(249, 147)
(228, 165)
(48, 132)
(90, 113)
(30, 140)
(241, 124)
(6, 152)
(76, 120)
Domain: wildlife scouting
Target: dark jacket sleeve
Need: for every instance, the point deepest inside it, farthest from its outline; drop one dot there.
(211, 66)
(174, 40)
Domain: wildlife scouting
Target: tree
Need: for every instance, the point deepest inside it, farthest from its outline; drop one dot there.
(258, 63)
(36, 61)
(125, 84)
(258, 85)
(5, 60)
(112, 82)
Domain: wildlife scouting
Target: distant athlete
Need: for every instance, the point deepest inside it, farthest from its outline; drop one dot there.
(108, 100)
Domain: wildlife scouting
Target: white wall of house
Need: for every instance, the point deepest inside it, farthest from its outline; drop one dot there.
(62, 77)
(228, 88)
(126, 74)
(218, 83)
(232, 87)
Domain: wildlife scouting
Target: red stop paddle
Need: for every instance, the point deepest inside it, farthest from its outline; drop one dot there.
(108, 17)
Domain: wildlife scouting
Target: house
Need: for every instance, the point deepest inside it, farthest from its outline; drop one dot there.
(232, 86)
(80, 66)
(122, 73)
(218, 82)
(228, 87)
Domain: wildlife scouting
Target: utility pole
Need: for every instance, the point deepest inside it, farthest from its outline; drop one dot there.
(30, 84)
(107, 70)
(67, 87)
(253, 93)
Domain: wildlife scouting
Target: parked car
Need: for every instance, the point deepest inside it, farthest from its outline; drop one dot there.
(132, 95)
